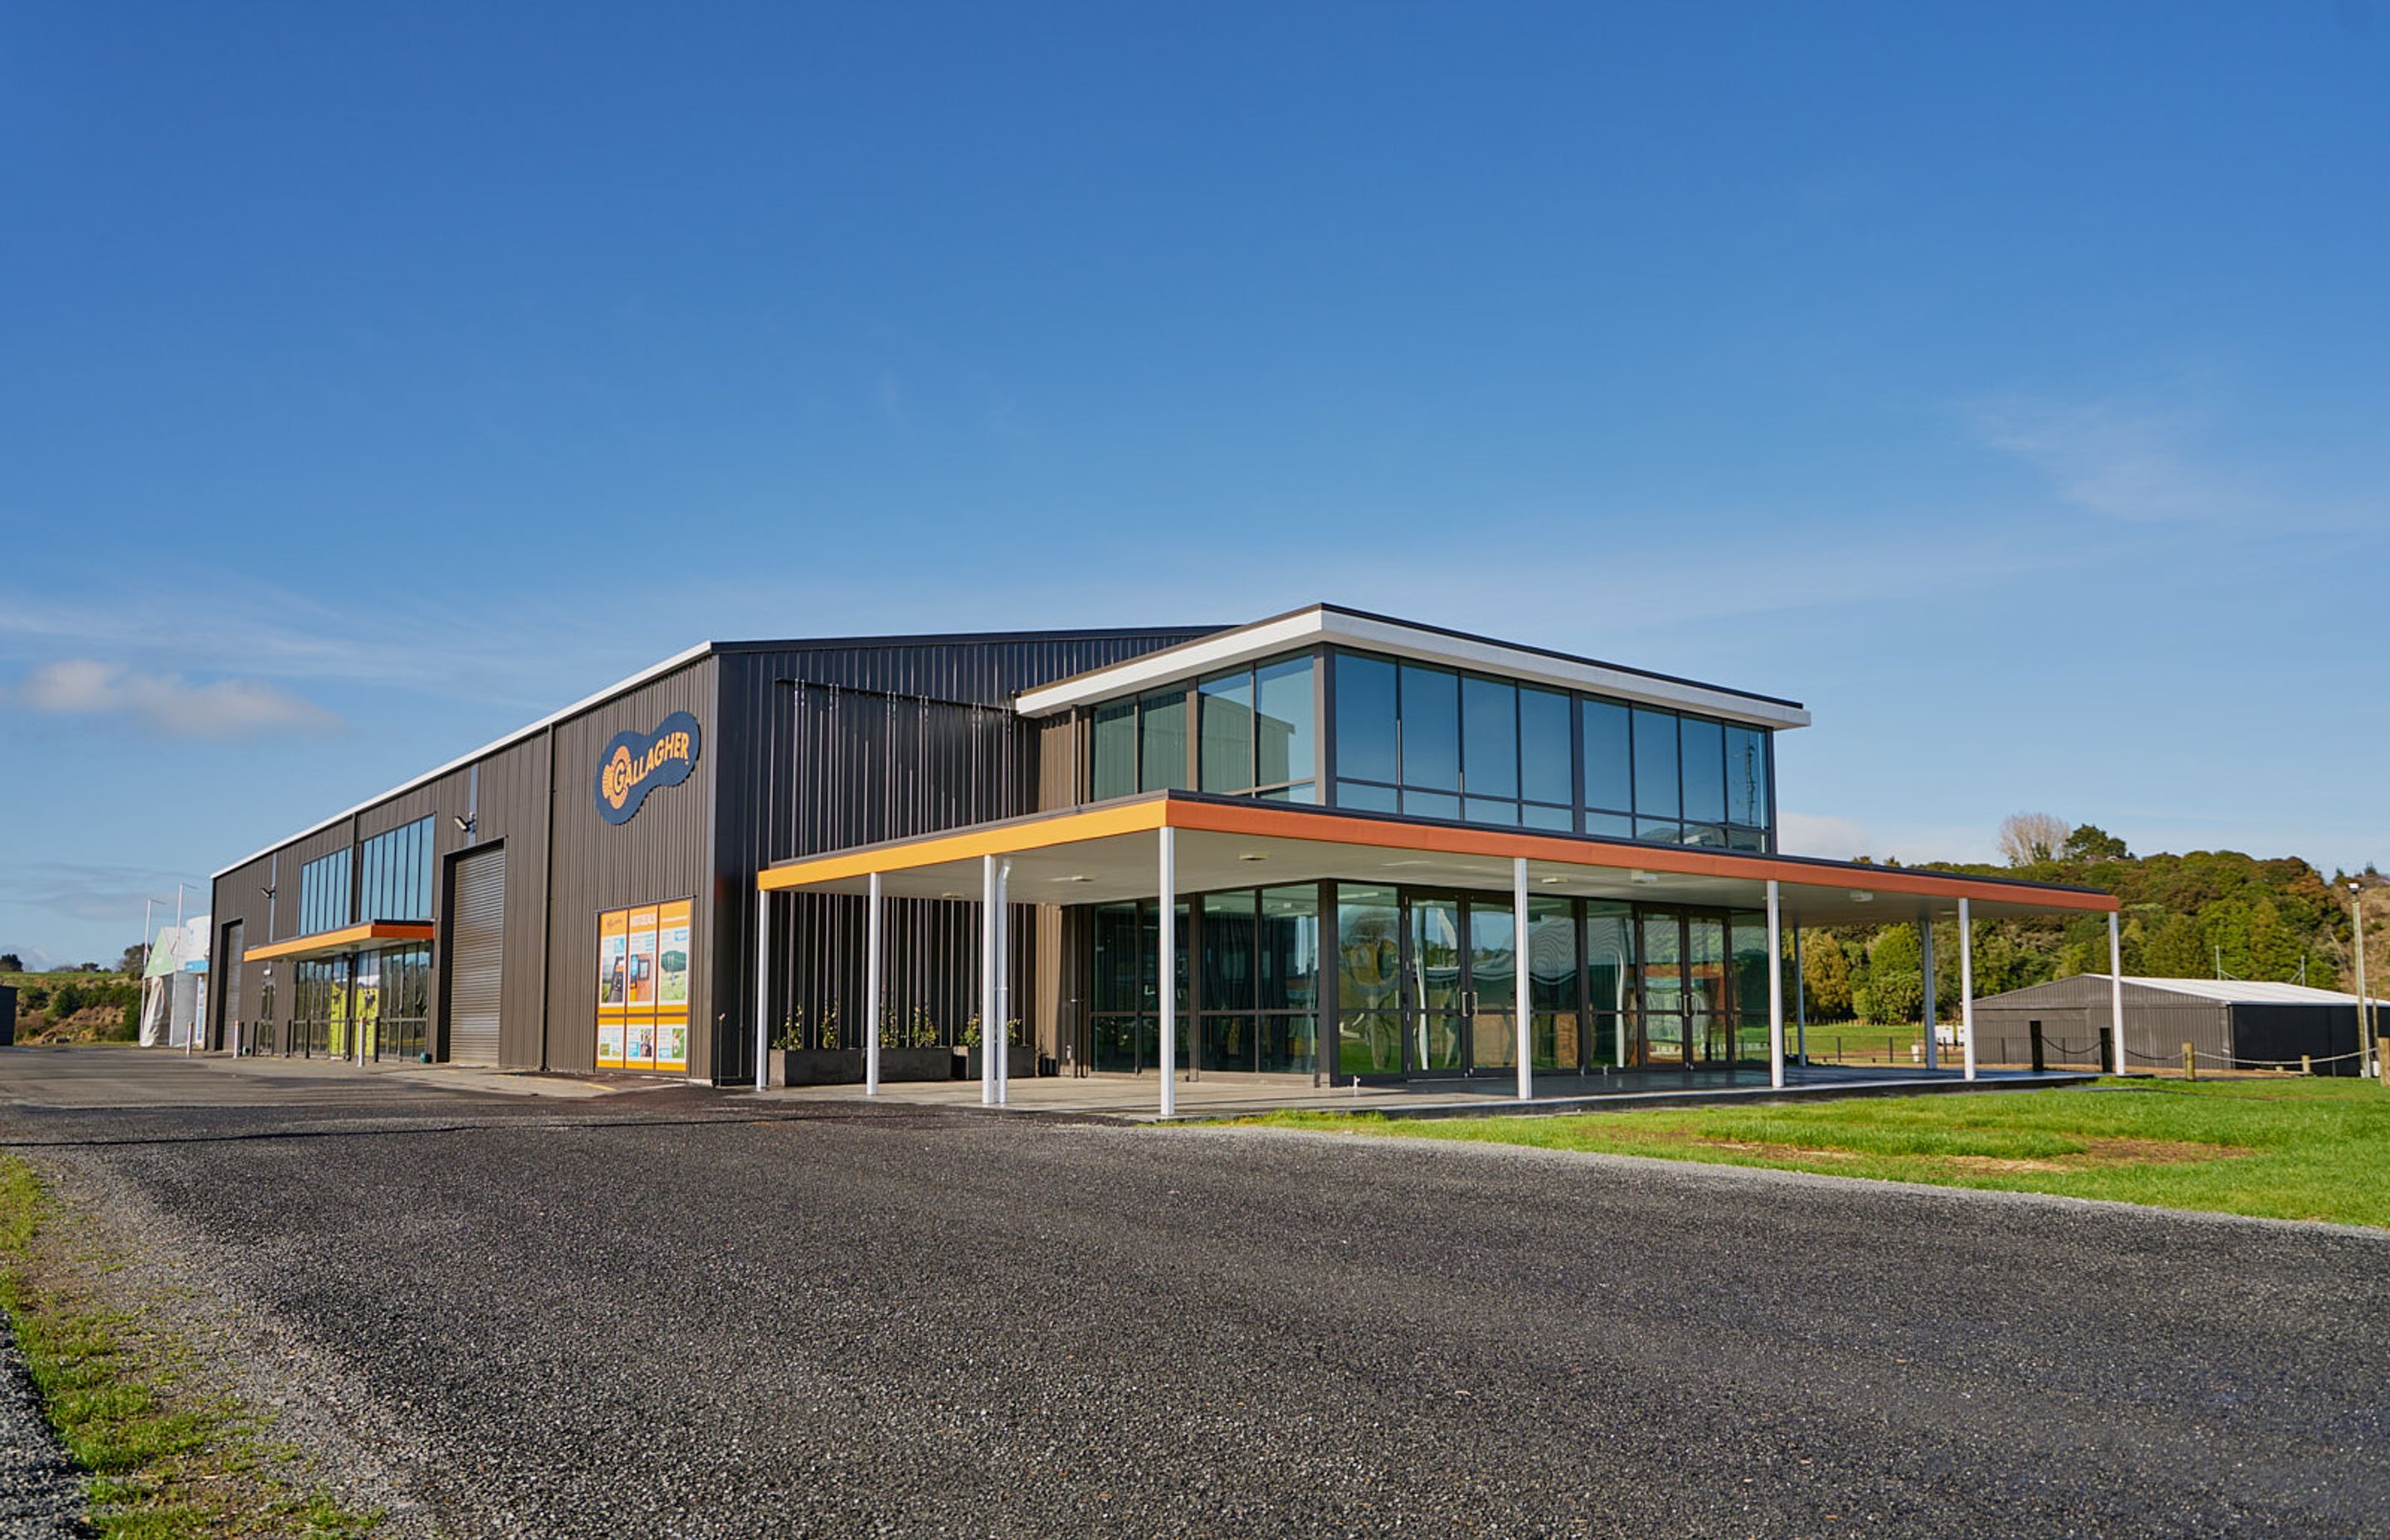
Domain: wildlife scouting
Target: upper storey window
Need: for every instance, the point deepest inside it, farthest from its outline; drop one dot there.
(395, 874)
(323, 893)
(1434, 743)
(1245, 732)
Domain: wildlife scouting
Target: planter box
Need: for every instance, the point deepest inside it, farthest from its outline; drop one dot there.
(815, 1067)
(1020, 1062)
(936, 1063)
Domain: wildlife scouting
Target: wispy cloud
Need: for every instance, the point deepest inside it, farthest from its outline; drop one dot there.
(526, 655)
(167, 703)
(2150, 464)
(99, 892)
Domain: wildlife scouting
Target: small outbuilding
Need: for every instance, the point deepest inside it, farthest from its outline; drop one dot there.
(2229, 1022)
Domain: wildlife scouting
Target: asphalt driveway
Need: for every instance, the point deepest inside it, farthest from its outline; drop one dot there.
(687, 1313)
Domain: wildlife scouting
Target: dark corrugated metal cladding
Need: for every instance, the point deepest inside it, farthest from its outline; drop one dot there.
(868, 744)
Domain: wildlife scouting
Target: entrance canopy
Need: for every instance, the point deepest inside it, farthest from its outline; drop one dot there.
(1106, 854)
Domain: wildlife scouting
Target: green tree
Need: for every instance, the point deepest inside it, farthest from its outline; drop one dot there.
(1895, 981)
(135, 958)
(2176, 950)
(2091, 845)
(1826, 979)
(11, 963)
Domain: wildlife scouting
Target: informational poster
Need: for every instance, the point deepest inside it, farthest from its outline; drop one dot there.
(613, 985)
(672, 985)
(643, 984)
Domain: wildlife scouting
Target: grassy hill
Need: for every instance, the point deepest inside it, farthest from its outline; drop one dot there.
(72, 1006)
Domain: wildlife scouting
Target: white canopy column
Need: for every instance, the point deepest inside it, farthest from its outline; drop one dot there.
(1523, 999)
(1167, 968)
(2115, 996)
(871, 949)
(1774, 985)
(1967, 988)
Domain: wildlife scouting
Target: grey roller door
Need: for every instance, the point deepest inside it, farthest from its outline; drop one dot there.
(476, 956)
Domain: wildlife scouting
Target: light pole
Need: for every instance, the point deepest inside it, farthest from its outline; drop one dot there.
(2365, 1048)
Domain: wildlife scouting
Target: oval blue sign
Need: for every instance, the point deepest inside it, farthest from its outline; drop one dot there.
(636, 763)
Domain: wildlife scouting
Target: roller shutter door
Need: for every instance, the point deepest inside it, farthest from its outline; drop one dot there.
(476, 956)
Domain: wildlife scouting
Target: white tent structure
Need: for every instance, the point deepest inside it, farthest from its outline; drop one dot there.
(175, 987)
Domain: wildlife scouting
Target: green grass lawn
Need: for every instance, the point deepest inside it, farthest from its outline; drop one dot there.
(2285, 1149)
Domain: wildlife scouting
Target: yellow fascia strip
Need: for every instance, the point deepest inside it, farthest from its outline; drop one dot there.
(1008, 839)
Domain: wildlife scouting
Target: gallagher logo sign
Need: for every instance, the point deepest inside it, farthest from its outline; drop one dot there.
(636, 763)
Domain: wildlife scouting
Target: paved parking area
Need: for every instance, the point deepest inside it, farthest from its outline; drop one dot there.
(703, 1314)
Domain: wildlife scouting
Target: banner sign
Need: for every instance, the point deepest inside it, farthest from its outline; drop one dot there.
(643, 955)
(636, 763)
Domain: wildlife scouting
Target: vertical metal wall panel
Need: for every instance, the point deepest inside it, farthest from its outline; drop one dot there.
(476, 916)
(509, 810)
(660, 853)
(877, 740)
(239, 898)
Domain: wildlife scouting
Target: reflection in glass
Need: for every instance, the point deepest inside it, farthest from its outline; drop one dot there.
(1609, 826)
(1663, 990)
(1610, 977)
(1703, 752)
(1225, 750)
(1368, 981)
(1545, 772)
(1366, 798)
(1115, 752)
(1493, 987)
(1435, 983)
(1481, 810)
(1708, 1026)
(1161, 747)
(1489, 738)
(1749, 1003)
(1366, 742)
(1430, 707)
(1746, 776)
(1552, 979)
(1655, 764)
(1284, 717)
(1432, 804)
(1609, 772)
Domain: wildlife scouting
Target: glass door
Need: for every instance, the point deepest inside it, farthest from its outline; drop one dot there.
(1663, 1024)
(1493, 984)
(1435, 983)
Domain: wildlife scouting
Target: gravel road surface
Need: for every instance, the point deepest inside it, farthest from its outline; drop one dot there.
(662, 1315)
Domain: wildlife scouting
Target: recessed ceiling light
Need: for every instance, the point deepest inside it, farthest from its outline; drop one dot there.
(1645, 876)
(1075, 877)
(1551, 881)
(1856, 897)
(1250, 857)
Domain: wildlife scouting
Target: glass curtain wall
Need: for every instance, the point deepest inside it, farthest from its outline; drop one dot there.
(1245, 732)
(395, 874)
(1432, 743)
(1258, 1000)
(323, 893)
(1368, 980)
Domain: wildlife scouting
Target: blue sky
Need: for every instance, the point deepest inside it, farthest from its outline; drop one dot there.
(2008, 384)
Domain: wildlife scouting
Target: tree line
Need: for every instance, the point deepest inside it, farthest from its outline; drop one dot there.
(2208, 914)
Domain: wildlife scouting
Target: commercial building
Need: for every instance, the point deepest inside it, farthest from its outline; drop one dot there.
(1343, 831)
(2230, 1023)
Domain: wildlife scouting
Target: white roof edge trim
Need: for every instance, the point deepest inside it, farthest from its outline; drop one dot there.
(654, 670)
(1431, 647)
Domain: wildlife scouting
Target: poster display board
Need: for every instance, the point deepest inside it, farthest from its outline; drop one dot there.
(643, 959)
